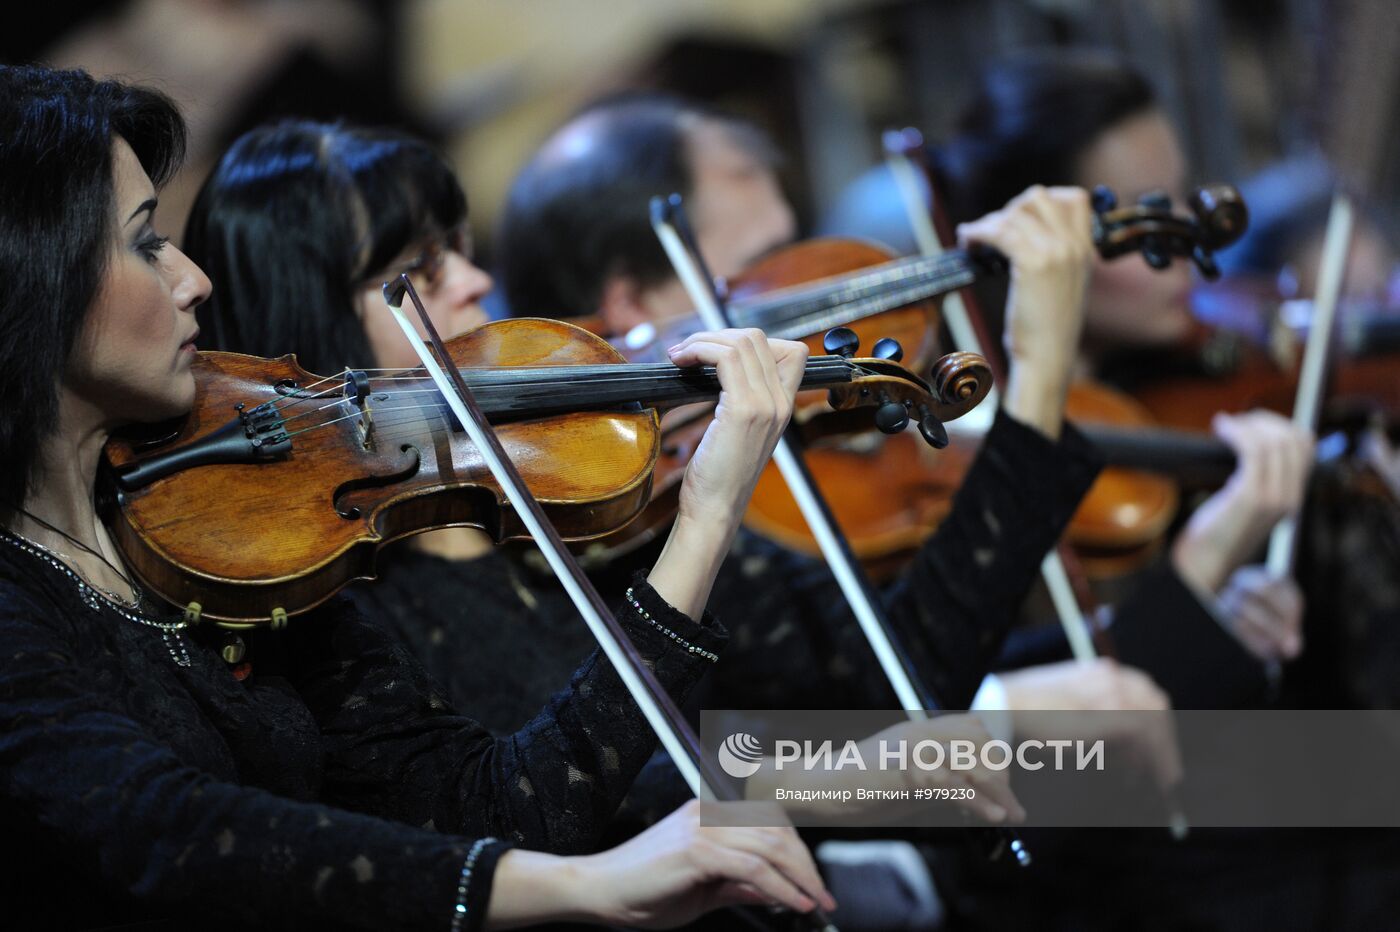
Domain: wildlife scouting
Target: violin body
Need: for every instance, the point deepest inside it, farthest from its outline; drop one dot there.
(253, 542)
(1189, 393)
(1121, 521)
(890, 493)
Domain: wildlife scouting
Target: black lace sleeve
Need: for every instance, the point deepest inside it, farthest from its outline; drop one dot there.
(394, 747)
(955, 605)
(114, 811)
(796, 644)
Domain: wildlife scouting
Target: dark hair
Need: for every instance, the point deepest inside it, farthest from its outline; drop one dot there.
(57, 129)
(293, 218)
(572, 219)
(1029, 120)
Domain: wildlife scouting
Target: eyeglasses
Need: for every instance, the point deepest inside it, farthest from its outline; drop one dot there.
(426, 267)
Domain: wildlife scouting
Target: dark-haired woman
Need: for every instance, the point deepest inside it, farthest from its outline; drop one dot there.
(1088, 119)
(142, 780)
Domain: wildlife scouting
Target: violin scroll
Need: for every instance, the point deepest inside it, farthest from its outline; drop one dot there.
(1219, 217)
(959, 382)
(1221, 213)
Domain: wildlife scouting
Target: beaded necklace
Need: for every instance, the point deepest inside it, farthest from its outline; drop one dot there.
(97, 599)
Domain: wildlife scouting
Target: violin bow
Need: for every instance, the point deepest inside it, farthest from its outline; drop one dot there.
(967, 326)
(669, 222)
(672, 729)
(1074, 603)
(1336, 244)
(1354, 71)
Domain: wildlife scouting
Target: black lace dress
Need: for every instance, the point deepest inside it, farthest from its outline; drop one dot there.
(794, 642)
(333, 786)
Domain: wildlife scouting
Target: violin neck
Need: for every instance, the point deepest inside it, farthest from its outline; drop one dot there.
(800, 311)
(1371, 332)
(1197, 458)
(544, 391)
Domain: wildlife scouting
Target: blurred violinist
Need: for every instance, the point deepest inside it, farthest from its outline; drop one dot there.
(575, 243)
(1079, 118)
(575, 210)
(1352, 522)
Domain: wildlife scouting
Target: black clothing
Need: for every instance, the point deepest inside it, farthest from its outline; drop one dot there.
(1227, 880)
(794, 642)
(334, 783)
(1161, 627)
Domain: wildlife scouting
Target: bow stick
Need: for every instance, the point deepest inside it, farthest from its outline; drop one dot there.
(968, 330)
(967, 326)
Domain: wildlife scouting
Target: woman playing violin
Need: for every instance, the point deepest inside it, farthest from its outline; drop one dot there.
(1051, 118)
(328, 781)
(1054, 119)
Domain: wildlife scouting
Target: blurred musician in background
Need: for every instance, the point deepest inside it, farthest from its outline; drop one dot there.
(1089, 119)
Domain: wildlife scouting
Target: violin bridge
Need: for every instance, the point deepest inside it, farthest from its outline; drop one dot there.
(358, 393)
(366, 425)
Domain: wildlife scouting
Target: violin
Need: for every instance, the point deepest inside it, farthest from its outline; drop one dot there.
(886, 493)
(1246, 352)
(895, 492)
(280, 486)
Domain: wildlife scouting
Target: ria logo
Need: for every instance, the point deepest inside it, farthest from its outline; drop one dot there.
(741, 755)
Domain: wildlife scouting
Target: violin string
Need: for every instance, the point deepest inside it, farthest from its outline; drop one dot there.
(337, 402)
(383, 426)
(619, 372)
(919, 272)
(818, 315)
(607, 375)
(822, 292)
(843, 314)
(358, 413)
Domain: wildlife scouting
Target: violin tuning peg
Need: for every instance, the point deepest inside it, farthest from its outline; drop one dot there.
(1103, 199)
(891, 417)
(887, 348)
(841, 341)
(933, 431)
(1155, 200)
(1205, 262)
(1155, 254)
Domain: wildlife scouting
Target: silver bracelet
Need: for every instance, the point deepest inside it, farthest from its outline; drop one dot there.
(459, 912)
(711, 656)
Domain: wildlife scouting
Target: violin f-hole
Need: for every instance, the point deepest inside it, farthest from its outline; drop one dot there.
(405, 465)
